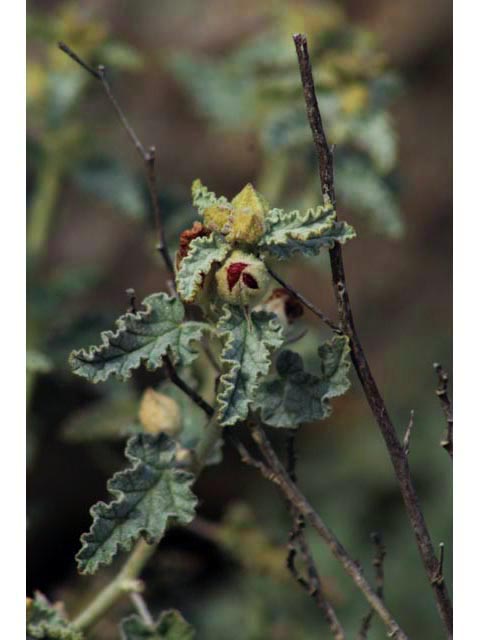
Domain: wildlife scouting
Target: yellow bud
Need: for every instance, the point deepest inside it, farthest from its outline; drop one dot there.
(218, 218)
(159, 413)
(248, 221)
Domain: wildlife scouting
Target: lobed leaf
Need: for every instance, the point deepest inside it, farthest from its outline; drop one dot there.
(296, 396)
(46, 621)
(203, 198)
(248, 342)
(306, 232)
(147, 495)
(169, 626)
(194, 268)
(145, 336)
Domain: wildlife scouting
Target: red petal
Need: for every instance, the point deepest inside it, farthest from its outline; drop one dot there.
(233, 273)
(249, 281)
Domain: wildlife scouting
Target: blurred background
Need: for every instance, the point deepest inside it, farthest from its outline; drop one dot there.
(215, 87)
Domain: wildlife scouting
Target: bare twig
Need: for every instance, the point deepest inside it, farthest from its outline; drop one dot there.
(148, 156)
(442, 393)
(313, 585)
(302, 506)
(304, 301)
(377, 562)
(181, 384)
(394, 446)
(408, 433)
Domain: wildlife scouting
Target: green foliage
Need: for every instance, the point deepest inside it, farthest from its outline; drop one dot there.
(147, 495)
(295, 396)
(203, 252)
(248, 343)
(255, 86)
(46, 621)
(169, 626)
(145, 336)
(203, 198)
(303, 232)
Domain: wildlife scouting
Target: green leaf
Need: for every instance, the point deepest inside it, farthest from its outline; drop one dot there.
(46, 621)
(305, 233)
(203, 198)
(38, 362)
(248, 342)
(147, 495)
(296, 396)
(202, 253)
(364, 191)
(108, 180)
(145, 336)
(169, 626)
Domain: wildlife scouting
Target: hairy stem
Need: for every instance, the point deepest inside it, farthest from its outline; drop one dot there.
(395, 449)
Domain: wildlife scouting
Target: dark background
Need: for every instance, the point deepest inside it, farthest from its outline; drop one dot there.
(401, 294)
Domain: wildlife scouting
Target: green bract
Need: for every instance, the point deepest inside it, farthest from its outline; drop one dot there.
(147, 495)
(45, 621)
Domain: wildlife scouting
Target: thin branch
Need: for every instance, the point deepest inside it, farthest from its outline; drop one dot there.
(181, 384)
(395, 448)
(442, 393)
(313, 585)
(408, 433)
(148, 156)
(304, 300)
(303, 507)
(377, 562)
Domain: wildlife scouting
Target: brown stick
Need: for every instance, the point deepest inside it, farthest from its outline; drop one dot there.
(378, 560)
(313, 585)
(147, 156)
(397, 453)
(442, 393)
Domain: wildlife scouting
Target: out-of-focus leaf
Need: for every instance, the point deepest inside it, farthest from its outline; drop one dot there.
(169, 626)
(248, 343)
(46, 621)
(145, 336)
(146, 496)
(38, 362)
(119, 55)
(107, 179)
(296, 396)
(361, 189)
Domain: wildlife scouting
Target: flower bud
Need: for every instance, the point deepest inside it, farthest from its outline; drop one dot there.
(159, 413)
(248, 223)
(242, 280)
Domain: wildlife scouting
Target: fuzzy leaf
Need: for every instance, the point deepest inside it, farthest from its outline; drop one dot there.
(147, 495)
(306, 233)
(169, 626)
(202, 253)
(203, 198)
(248, 343)
(46, 621)
(145, 336)
(296, 396)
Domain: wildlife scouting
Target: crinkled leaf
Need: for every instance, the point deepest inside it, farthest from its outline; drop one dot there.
(145, 336)
(303, 232)
(203, 198)
(248, 343)
(202, 253)
(296, 396)
(147, 495)
(46, 621)
(170, 626)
